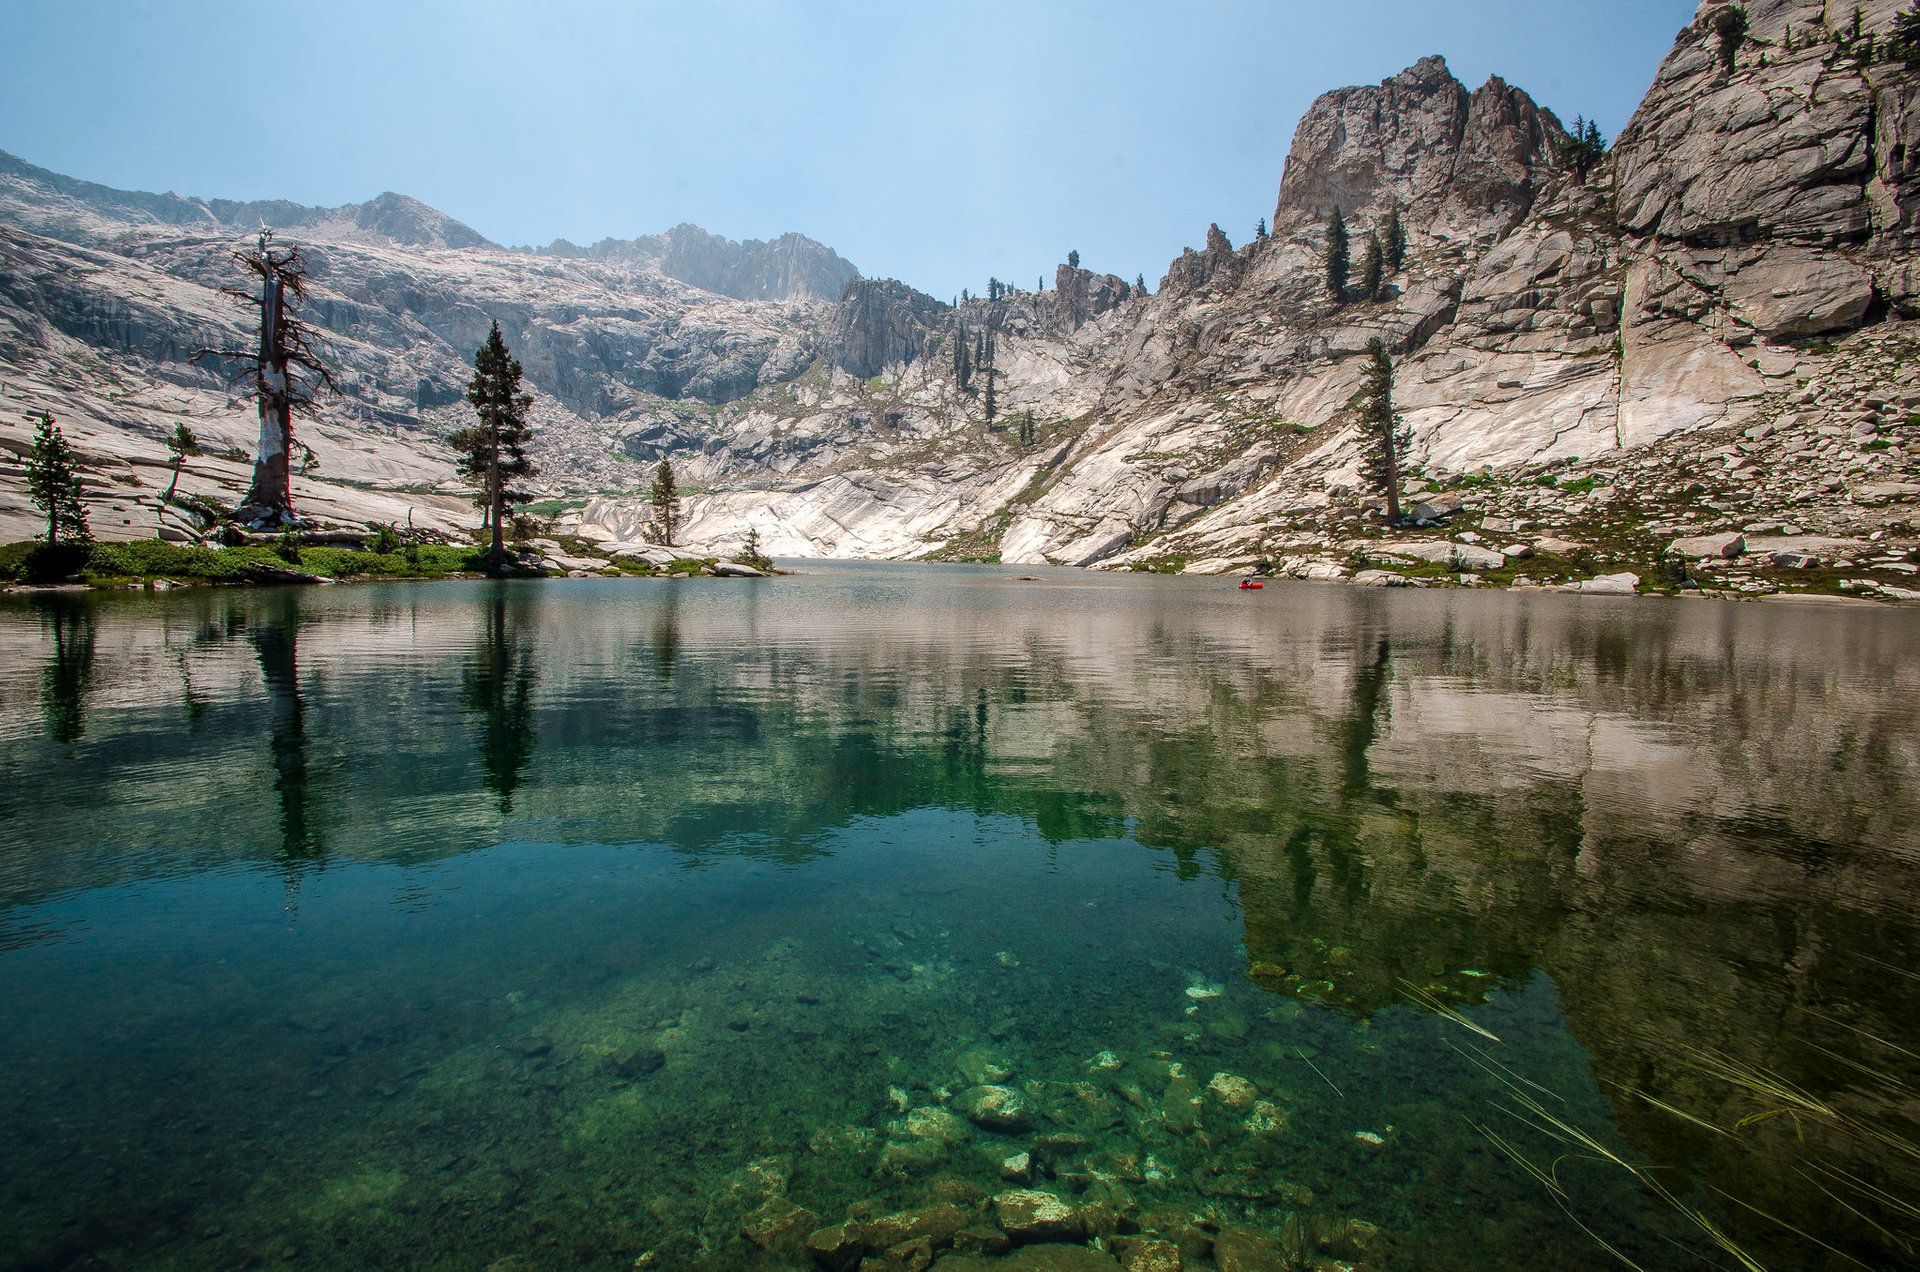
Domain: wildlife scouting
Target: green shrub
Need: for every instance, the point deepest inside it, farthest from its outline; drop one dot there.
(32, 561)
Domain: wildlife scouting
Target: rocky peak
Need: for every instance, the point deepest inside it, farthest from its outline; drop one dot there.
(879, 322)
(1080, 295)
(407, 222)
(1461, 163)
(1219, 265)
(791, 267)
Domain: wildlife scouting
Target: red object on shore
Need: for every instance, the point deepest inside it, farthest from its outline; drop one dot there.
(1249, 584)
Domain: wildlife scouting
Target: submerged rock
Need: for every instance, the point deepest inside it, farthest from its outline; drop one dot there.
(1029, 1215)
(778, 1224)
(1235, 1090)
(638, 1062)
(1147, 1254)
(1035, 1258)
(982, 1067)
(995, 1108)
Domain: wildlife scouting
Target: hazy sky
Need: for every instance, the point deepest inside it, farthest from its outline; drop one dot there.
(936, 142)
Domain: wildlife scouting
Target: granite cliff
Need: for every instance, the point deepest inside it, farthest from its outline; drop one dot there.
(1708, 335)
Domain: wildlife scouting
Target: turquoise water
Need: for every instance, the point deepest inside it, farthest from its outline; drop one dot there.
(634, 922)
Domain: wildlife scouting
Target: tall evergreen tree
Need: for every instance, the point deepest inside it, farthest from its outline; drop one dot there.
(1396, 240)
(1339, 259)
(1260, 230)
(53, 482)
(1140, 283)
(1376, 409)
(1904, 40)
(1730, 23)
(493, 452)
(1073, 259)
(1581, 148)
(991, 410)
(666, 503)
(1373, 269)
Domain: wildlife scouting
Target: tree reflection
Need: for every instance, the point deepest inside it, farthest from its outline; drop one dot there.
(274, 634)
(68, 676)
(499, 686)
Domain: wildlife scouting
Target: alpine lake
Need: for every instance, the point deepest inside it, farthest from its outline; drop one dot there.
(882, 916)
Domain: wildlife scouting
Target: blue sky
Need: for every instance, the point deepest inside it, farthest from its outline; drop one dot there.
(936, 142)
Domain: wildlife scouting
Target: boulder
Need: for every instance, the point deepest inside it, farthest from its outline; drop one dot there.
(995, 1108)
(1622, 584)
(638, 1062)
(734, 570)
(1727, 546)
(1463, 556)
(778, 1224)
(1029, 1215)
(937, 1223)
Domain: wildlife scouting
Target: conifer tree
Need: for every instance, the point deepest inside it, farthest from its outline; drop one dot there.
(181, 445)
(1339, 261)
(1396, 240)
(1073, 259)
(1373, 269)
(988, 363)
(1903, 41)
(1581, 148)
(962, 359)
(1377, 415)
(666, 503)
(1730, 24)
(493, 452)
(1140, 283)
(1260, 230)
(53, 482)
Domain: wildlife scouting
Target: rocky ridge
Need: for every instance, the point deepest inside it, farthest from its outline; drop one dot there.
(1712, 333)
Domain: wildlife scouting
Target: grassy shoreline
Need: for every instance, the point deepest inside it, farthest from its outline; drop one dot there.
(149, 562)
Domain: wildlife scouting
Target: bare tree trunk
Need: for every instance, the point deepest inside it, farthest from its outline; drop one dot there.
(270, 497)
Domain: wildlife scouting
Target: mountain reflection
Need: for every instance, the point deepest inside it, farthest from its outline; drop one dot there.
(1702, 822)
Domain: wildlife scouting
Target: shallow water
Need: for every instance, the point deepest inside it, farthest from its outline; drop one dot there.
(568, 922)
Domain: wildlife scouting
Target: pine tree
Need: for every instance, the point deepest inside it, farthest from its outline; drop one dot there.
(1339, 261)
(493, 452)
(1073, 259)
(1730, 24)
(1378, 416)
(1396, 240)
(666, 503)
(962, 360)
(181, 445)
(1140, 283)
(991, 410)
(1903, 41)
(1260, 230)
(1581, 148)
(53, 482)
(1373, 269)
